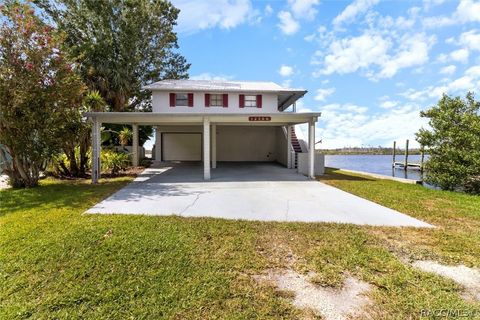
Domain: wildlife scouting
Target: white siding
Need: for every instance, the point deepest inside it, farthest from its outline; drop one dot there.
(161, 103)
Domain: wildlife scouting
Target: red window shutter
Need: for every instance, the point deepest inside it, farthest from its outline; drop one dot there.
(241, 102)
(172, 99)
(190, 99)
(225, 100)
(259, 100)
(207, 99)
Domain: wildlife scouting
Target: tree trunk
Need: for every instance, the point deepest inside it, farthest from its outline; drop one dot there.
(73, 168)
(83, 155)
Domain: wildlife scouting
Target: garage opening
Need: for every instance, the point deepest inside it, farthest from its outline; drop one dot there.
(181, 146)
(247, 143)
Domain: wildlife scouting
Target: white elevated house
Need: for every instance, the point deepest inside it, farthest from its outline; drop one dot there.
(219, 121)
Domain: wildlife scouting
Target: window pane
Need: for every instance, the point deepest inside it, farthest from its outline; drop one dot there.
(250, 101)
(216, 100)
(181, 99)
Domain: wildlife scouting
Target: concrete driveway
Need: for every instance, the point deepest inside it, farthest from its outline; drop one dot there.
(258, 191)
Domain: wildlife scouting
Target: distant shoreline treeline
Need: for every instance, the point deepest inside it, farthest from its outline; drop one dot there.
(368, 150)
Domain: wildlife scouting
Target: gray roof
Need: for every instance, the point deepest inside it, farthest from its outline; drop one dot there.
(286, 96)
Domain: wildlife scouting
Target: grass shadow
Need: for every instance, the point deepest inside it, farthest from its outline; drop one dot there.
(55, 194)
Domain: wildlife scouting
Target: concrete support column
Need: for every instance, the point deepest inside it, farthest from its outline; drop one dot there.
(206, 148)
(96, 150)
(135, 145)
(289, 147)
(311, 149)
(158, 144)
(214, 146)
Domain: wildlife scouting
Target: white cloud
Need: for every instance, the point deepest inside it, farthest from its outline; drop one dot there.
(427, 4)
(371, 49)
(225, 14)
(350, 125)
(388, 104)
(286, 71)
(413, 51)
(322, 94)
(470, 81)
(470, 39)
(310, 37)
(460, 55)
(468, 11)
(352, 10)
(210, 76)
(268, 10)
(438, 22)
(287, 24)
(303, 9)
(473, 72)
(349, 55)
(448, 69)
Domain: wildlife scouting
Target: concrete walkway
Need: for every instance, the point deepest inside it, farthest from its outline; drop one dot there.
(265, 192)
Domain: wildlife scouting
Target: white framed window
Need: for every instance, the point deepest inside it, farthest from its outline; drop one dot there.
(216, 100)
(250, 101)
(181, 99)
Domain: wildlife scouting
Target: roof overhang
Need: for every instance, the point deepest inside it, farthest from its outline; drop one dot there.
(287, 98)
(156, 118)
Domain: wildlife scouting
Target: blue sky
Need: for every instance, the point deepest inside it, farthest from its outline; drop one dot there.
(370, 66)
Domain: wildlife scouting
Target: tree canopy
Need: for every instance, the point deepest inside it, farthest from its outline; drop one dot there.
(40, 93)
(120, 45)
(453, 143)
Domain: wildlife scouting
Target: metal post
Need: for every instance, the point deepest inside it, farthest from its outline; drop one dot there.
(96, 150)
(206, 148)
(394, 152)
(135, 145)
(406, 155)
(289, 147)
(214, 146)
(311, 149)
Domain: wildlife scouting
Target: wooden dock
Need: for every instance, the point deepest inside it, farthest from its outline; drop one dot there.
(412, 165)
(405, 165)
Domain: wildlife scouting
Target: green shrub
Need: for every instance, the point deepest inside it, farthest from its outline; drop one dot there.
(60, 164)
(114, 162)
(453, 143)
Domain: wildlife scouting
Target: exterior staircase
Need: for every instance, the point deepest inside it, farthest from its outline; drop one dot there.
(296, 147)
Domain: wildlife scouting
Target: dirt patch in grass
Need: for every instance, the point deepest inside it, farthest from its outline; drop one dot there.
(469, 278)
(330, 303)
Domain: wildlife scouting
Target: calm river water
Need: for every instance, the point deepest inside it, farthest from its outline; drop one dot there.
(380, 164)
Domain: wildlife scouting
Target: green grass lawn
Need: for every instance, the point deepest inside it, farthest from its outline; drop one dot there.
(56, 262)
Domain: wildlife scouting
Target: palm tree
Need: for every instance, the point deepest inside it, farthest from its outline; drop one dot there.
(125, 136)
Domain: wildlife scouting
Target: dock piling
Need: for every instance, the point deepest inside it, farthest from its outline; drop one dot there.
(394, 152)
(406, 155)
(422, 157)
(405, 165)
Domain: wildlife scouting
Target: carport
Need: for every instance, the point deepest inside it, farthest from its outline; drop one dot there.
(208, 123)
